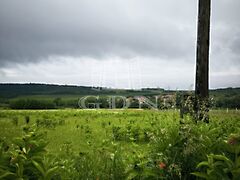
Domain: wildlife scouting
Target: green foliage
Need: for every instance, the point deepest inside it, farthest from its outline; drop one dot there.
(99, 164)
(110, 144)
(31, 104)
(15, 120)
(226, 98)
(223, 166)
(47, 123)
(25, 158)
(140, 168)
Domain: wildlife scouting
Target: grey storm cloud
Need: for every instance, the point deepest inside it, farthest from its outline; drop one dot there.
(32, 30)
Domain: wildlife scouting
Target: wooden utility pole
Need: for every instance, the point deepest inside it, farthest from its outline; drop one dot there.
(202, 58)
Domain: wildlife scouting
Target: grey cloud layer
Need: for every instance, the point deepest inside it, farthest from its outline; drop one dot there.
(32, 30)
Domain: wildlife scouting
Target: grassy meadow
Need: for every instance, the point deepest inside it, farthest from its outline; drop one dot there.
(117, 144)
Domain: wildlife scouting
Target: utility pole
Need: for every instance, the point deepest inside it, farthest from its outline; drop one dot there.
(202, 57)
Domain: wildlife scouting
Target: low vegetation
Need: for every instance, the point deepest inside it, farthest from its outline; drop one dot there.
(118, 144)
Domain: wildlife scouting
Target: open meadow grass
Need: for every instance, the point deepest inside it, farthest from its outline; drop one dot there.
(115, 144)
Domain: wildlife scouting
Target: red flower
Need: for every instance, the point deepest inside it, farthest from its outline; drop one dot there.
(162, 165)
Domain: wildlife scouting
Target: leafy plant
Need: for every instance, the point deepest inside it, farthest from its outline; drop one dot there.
(224, 166)
(140, 167)
(25, 158)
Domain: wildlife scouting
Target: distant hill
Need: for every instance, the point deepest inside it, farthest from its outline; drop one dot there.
(228, 97)
(16, 90)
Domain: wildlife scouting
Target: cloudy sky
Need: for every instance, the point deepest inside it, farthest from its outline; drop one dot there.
(115, 43)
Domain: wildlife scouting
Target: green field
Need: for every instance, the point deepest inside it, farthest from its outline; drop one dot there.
(116, 144)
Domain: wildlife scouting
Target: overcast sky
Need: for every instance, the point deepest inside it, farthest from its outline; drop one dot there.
(115, 43)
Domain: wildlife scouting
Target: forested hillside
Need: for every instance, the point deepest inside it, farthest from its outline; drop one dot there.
(47, 96)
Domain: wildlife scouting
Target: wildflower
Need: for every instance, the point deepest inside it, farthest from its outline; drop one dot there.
(162, 165)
